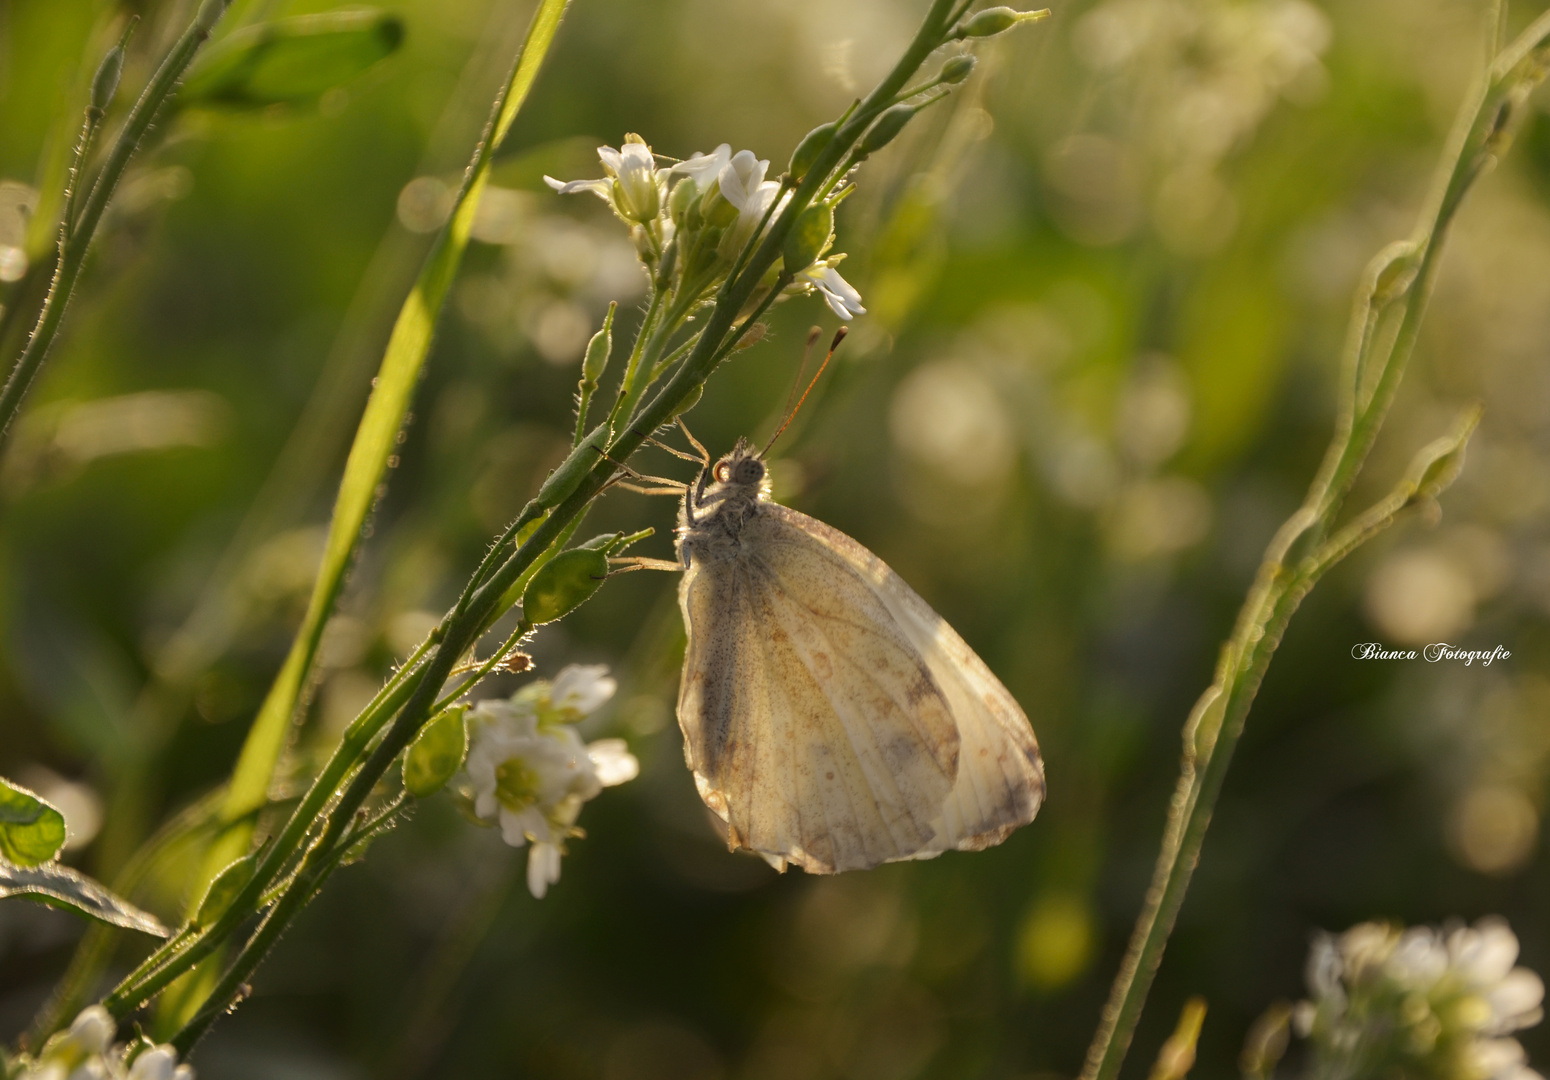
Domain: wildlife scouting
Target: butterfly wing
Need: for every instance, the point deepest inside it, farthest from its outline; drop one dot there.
(814, 727)
(1000, 780)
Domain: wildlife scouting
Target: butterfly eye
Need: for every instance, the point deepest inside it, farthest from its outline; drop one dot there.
(720, 472)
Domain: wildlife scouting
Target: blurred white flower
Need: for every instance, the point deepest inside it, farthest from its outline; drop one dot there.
(634, 186)
(1420, 1002)
(839, 294)
(530, 772)
(86, 1052)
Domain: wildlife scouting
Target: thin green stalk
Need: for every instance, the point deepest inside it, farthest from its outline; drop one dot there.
(1215, 724)
(462, 627)
(76, 239)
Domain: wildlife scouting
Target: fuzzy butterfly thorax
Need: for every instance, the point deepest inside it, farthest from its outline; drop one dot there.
(720, 504)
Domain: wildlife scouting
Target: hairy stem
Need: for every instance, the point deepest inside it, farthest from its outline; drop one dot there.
(1404, 275)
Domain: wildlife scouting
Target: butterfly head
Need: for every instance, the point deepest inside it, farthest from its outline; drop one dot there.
(742, 468)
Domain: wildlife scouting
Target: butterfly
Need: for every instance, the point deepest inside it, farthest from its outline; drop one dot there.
(830, 717)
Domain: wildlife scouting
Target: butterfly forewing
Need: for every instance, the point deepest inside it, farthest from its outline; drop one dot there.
(813, 725)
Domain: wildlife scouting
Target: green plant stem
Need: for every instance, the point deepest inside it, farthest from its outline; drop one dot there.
(76, 239)
(322, 815)
(1211, 734)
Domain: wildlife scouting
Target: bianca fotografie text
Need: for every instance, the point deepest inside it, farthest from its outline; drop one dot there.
(1373, 650)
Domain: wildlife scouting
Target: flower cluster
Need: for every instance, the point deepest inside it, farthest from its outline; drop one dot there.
(718, 205)
(1437, 1004)
(531, 773)
(87, 1052)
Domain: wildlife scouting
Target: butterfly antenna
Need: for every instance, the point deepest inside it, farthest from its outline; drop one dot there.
(839, 336)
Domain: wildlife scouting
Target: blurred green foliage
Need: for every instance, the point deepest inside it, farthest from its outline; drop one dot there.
(1107, 287)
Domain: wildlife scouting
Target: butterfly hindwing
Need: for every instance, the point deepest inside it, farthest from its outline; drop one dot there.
(815, 728)
(1000, 778)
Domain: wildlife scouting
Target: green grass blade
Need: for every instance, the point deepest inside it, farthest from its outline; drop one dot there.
(375, 440)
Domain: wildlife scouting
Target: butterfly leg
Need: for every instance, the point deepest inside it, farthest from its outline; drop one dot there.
(629, 563)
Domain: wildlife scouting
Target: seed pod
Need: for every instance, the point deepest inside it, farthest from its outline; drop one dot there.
(808, 237)
(564, 479)
(807, 151)
(692, 398)
(887, 127)
(956, 69)
(598, 348)
(996, 20)
(104, 84)
(563, 584)
(436, 753)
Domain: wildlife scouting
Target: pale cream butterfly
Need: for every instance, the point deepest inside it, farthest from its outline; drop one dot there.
(830, 717)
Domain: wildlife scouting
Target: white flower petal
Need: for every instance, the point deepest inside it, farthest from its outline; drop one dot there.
(704, 168)
(1517, 998)
(601, 188)
(543, 868)
(156, 1064)
(1485, 953)
(93, 1030)
(613, 761)
(583, 687)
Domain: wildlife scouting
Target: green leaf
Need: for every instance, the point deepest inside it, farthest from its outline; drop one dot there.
(224, 889)
(60, 886)
(31, 831)
(291, 61)
(376, 439)
(436, 753)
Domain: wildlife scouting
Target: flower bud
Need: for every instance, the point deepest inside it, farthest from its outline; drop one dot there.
(996, 20)
(956, 69)
(436, 753)
(685, 193)
(887, 127)
(599, 347)
(716, 209)
(807, 151)
(104, 84)
(808, 237)
(209, 13)
(563, 584)
(691, 399)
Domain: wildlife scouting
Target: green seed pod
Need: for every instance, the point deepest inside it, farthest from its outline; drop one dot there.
(807, 151)
(104, 84)
(887, 127)
(564, 479)
(563, 584)
(224, 889)
(956, 69)
(996, 20)
(808, 237)
(599, 347)
(436, 753)
(690, 400)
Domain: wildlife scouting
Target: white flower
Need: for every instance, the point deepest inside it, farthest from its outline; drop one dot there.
(634, 186)
(86, 1052)
(740, 180)
(1423, 1001)
(703, 169)
(839, 294)
(530, 772)
(583, 688)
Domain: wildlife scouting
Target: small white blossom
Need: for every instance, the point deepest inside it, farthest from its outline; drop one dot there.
(1419, 1002)
(86, 1052)
(634, 186)
(530, 772)
(839, 294)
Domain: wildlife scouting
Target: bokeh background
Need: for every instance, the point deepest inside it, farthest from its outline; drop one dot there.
(1108, 285)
